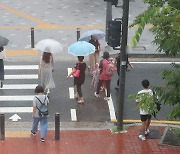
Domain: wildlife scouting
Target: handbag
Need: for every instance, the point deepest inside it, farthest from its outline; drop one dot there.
(77, 72)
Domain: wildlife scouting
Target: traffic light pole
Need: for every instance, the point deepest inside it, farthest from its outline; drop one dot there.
(108, 17)
(123, 64)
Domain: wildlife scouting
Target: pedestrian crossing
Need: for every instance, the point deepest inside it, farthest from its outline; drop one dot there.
(15, 80)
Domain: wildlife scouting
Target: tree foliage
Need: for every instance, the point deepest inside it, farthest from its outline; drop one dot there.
(164, 16)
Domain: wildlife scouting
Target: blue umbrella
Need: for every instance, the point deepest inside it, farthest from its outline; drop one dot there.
(86, 36)
(81, 48)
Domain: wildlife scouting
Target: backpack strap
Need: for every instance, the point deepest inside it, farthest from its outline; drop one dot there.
(40, 100)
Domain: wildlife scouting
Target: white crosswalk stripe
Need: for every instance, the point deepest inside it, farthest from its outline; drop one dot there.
(16, 82)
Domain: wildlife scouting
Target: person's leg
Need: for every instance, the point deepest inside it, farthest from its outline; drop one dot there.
(44, 125)
(143, 126)
(96, 57)
(108, 87)
(148, 121)
(91, 61)
(79, 93)
(99, 86)
(35, 125)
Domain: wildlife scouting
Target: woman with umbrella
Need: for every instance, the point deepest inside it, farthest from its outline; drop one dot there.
(45, 71)
(2, 56)
(79, 81)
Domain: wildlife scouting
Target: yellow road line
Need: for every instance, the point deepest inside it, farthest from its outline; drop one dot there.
(29, 52)
(17, 133)
(153, 121)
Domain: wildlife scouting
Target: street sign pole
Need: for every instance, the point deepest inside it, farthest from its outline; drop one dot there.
(108, 17)
(123, 64)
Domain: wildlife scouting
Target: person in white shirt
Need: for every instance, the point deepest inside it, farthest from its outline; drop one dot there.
(144, 115)
(2, 57)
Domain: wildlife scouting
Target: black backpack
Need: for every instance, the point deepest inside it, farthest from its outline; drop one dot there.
(158, 104)
(43, 109)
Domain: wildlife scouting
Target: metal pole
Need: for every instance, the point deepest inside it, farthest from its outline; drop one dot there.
(57, 126)
(123, 63)
(108, 17)
(78, 33)
(32, 37)
(2, 127)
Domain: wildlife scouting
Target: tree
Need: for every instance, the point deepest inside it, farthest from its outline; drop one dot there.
(164, 16)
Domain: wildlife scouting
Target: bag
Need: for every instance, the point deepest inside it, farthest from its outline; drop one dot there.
(77, 72)
(111, 68)
(43, 109)
(158, 104)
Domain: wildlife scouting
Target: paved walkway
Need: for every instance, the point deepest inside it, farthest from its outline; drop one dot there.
(87, 142)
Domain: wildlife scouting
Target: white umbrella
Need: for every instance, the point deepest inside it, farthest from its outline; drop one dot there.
(49, 45)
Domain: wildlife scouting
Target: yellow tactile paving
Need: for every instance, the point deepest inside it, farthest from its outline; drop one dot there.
(17, 134)
(153, 121)
(21, 52)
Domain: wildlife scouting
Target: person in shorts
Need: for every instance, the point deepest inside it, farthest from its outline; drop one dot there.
(144, 115)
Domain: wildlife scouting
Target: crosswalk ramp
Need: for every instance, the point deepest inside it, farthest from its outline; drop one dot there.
(19, 84)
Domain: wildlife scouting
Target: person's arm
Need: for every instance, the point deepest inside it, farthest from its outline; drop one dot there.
(73, 70)
(34, 107)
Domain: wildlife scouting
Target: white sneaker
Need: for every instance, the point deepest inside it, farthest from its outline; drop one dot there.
(141, 137)
(106, 98)
(96, 95)
(146, 132)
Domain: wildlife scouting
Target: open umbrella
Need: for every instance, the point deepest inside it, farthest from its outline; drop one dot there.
(81, 48)
(3, 41)
(49, 45)
(86, 36)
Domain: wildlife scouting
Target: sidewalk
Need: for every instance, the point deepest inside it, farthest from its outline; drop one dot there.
(87, 142)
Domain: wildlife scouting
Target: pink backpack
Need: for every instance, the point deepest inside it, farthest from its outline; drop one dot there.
(111, 68)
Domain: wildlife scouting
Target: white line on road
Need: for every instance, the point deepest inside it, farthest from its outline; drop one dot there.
(111, 108)
(17, 98)
(73, 115)
(20, 67)
(23, 76)
(71, 92)
(19, 86)
(154, 62)
(69, 71)
(16, 109)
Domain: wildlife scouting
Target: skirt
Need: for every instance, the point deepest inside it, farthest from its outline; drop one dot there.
(46, 79)
(1, 69)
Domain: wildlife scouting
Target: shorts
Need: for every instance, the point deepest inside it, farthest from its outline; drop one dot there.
(145, 117)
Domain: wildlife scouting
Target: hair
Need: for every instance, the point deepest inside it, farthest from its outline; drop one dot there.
(46, 57)
(1, 49)
(106, 55)
(145, 83)
(39, 89)
(80, 58)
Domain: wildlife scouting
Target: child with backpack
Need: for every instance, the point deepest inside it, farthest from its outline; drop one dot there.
(107, 69)
(40, 112)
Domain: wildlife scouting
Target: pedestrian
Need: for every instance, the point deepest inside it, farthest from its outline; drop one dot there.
(118, 63)
(46, 68)
(144, 114)
(104, 78)
(2, 57)
(79, 81)
(94, 57)
(39, 98)
(95, 75)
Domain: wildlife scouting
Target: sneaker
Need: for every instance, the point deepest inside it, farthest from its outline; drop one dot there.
(42, 139)
(141, 137)
(146, 132)
(106, 98)
(96, 95)
(33, 133)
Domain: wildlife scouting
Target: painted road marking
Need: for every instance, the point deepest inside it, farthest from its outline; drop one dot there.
(154, 62)
(71, 92)
(69, 71)
(17, 98)
(23, 76)
(16, 109)
(17, 134)
(111, 108)
(20, 67)
(21, 52)
(19, 86)
(73, 115)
